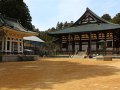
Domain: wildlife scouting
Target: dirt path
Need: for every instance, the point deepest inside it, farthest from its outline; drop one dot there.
(60, 74)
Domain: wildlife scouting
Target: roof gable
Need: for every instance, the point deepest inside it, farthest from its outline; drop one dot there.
(89, 17)
(89, 22)
(12, 23)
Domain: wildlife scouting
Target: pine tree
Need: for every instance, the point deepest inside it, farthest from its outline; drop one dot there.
(65, 25)
(16, 9)
(107, 17)
(59, 26)
(116, 19)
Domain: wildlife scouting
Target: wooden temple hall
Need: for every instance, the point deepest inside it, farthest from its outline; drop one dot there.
(90, 33)
(11, 36)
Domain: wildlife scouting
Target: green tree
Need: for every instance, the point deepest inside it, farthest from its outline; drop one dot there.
(44, 36)
(59, 26)
(66, 25)
(107, 17)
(16, 9)
(71, 23)
(116, 19)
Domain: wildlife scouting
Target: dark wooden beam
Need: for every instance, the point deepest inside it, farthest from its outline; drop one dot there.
(97, 42)
(80, 43)
(113, 41)
(89, 43)
(73, 43)
(105, 42)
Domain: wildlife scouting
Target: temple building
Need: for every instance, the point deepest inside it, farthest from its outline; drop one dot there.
(11, 36)
(91, 33)
(33, 45)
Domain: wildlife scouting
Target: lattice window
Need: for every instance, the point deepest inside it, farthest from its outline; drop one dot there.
(76, 37)
(84, 36)
(64, 37)
(101, 35)
(70, 38)
(109, 35)
(93, 36)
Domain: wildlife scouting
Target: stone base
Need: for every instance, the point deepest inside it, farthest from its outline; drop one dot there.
(12, 58)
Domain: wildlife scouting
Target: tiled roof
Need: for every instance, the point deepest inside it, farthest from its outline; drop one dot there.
(87, 28)
(33, 38)
(89, 21)
(12, 23)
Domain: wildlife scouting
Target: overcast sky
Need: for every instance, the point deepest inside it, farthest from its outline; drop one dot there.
(46, 13)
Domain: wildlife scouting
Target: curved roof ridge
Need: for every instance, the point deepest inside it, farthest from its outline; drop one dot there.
(99, 19)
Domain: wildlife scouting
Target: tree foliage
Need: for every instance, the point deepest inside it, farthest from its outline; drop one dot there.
(44, 36)
(59, 26)
(107, 17)
(116, 19)
(16, 9)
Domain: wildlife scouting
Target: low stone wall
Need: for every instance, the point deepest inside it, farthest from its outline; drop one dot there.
(12, 58)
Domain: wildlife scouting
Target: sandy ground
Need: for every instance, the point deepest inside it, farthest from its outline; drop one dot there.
(60, 74)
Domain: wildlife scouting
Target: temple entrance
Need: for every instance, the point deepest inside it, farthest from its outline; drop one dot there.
(70, 47)
(76, 46)
(14, 47)
(84, 46)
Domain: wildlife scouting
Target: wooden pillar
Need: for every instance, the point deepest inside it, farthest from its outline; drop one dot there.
(10, 45)
(73, 43)
(60, 43)
(5, 44)
(80, 43)
(18, 46)
(67, 44)
(105, 43)
(113, 42)
(97, 43)
(89, 43)
(22, 45)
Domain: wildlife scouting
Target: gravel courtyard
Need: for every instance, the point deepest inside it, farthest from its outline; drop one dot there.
(60, 74)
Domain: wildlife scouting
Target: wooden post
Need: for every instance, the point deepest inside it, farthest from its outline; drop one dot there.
(89, 43)
(80, 43)
(113, 42)
(105, 43)
(18, 46)
(60, 43)
(10, 45)
(97, 43)
(5, 44)
(69, 43)
(22, 45)
(73, 44)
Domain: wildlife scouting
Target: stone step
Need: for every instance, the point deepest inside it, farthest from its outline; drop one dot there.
(79, 56)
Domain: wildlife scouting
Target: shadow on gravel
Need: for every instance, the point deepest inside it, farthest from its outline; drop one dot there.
(44, 74)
